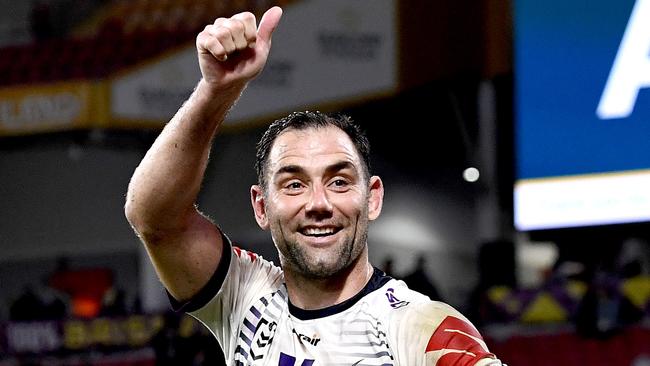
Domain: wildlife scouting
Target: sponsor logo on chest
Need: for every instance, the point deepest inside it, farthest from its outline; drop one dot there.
(313, 340)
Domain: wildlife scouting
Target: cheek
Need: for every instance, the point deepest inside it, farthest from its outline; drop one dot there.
(284, 207)
(352, 204)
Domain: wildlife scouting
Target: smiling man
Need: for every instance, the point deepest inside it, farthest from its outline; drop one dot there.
(316, 197)
(325, 304)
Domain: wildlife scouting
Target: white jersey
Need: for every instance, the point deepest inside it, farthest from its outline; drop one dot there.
(245, 305)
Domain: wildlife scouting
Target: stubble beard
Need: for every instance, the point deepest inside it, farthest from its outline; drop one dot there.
(316, 265)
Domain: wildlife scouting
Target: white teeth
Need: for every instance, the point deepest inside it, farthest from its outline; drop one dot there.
(319, 231)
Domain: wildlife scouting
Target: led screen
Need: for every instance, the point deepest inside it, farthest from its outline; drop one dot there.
(582, 111)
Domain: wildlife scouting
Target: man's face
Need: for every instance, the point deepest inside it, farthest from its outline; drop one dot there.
(318, 202)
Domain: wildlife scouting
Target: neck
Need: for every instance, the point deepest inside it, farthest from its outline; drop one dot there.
(311, 294)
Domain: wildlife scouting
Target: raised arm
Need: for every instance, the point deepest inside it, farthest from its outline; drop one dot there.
(183, 245)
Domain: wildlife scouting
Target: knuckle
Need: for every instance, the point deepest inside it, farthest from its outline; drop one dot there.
(245, 16)
(201, 39)
(229, 47)
(222, 33)
(235, 25)
(203, 35)
(241, 25)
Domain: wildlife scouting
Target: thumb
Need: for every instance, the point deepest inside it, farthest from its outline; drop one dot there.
(269, 22)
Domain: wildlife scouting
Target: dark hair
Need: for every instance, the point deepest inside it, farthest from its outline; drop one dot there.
(303, 121)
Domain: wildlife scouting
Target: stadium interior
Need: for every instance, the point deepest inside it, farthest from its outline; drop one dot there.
(86, 86)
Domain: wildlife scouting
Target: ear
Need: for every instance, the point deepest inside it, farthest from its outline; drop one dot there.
(375, 197)
(259, 206)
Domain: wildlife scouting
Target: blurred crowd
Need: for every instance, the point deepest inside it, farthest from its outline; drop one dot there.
(597, 290)
(598, 296)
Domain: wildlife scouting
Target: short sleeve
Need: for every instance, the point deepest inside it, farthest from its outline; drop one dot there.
(248, 278)
(435, 334)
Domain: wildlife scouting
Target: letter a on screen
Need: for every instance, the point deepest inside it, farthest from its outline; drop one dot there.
(631, 69)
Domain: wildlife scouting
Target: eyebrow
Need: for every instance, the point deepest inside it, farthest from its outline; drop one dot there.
(297, 169)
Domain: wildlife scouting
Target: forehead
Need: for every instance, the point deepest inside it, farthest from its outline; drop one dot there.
(312, 146)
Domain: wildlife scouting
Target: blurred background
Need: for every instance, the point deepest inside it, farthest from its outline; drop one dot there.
(511, 137)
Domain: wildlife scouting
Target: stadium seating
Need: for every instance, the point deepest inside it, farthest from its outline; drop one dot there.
(122, 33)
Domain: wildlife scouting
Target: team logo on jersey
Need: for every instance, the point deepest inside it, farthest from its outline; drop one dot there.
(395, 303)
(263, 337)
(458, 342)
(313, 340)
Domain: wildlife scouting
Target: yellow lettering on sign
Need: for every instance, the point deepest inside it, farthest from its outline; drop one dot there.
(75, 335)
(138, 334)
(100, 332)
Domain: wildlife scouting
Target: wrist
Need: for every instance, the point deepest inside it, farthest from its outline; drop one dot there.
(212, 90)
(214, 101)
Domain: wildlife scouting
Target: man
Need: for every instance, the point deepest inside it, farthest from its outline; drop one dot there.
(326, 304)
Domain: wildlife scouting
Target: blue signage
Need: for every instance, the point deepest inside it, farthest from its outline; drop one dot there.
(582, 95)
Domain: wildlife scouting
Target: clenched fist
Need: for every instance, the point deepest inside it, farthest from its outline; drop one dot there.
(233, 50)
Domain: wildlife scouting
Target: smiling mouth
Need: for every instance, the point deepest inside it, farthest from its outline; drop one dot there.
(318, 232)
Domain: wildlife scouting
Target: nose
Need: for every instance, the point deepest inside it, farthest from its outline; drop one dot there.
(318, 203)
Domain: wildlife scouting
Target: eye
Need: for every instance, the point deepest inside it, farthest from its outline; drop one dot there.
(295, 185)
(340, 184)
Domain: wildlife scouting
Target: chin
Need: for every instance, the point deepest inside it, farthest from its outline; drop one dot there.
(320, 269)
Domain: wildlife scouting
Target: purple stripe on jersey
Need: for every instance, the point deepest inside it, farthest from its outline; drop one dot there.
(245, 339)
(274, 301)
(282, 294)
(256, 312)
(286, 360)
(242, 352)
(264, 301)
(249, 325)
